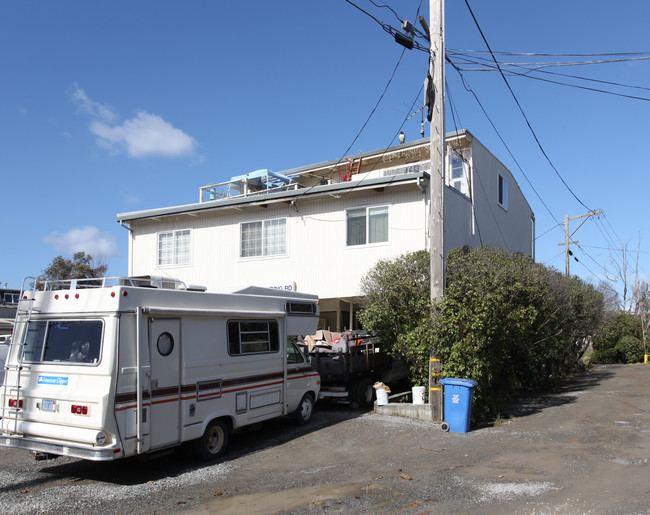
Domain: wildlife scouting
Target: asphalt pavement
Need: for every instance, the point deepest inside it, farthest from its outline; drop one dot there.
(582, 449)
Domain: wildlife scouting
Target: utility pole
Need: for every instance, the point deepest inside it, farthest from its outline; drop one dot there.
(567, 237)
(437, 147)
(437, 183)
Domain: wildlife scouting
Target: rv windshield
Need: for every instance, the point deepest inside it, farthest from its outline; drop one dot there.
(65, 341)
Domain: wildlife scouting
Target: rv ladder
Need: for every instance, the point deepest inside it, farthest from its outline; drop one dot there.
(23, 317)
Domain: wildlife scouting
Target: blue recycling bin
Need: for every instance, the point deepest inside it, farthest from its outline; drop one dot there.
(458, 395)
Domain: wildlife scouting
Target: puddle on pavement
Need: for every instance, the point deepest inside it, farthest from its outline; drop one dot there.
(285, 500)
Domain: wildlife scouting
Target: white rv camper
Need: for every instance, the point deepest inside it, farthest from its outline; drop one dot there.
(107, 368)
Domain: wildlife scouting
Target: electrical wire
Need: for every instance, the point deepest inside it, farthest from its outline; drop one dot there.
(539, 144)
(452, 109)
(331, 171)
(547, 231)
(389, 29)
(546, 54)
(529, 75)
(469, 89)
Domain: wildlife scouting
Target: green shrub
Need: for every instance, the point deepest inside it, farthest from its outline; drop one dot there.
(505, 321)
(620, 341)
(510, 323)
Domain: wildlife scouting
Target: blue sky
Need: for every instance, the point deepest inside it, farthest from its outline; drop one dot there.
(111, 107)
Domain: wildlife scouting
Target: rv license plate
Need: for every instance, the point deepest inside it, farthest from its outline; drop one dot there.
(48, 405)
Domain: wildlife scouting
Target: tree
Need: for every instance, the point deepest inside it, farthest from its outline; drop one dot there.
(505, 321)
(397, 308)
(511, 324)
(620, 341)
(82, 266)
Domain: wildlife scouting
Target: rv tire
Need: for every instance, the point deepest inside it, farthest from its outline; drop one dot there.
(305, 409)
(214, 441)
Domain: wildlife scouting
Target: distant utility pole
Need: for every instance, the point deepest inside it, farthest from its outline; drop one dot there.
(567, 237)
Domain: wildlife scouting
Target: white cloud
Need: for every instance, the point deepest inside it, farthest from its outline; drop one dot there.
(130, 199)
(144, 135)
(87, 239)
(90, 107)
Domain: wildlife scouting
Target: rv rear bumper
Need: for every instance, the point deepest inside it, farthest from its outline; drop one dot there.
(74, 451)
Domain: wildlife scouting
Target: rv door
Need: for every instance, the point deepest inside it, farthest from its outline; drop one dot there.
(165, 391)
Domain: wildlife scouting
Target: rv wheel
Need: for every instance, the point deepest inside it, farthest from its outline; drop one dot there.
(305, 409)
(214, 441)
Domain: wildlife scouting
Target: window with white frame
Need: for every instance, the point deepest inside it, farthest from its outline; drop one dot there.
(503, 192)
(174, 247)
(367, 225)
(264, 238)
(458, 173)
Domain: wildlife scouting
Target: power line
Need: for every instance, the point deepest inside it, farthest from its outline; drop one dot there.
(609, 248)
(307, 190)
(389, 29)
(566, 84)
(539, 144)
(468, 88)
(546, 54)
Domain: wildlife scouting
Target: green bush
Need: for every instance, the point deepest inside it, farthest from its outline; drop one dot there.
(620, 341)
(398, 309)
(511, 324)
(505, 321)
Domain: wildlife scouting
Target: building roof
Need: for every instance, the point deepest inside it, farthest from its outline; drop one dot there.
(293, 191)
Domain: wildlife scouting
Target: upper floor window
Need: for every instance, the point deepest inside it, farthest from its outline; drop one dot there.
(174, 247)
(367, 225)
(503, 192)
(264, 238)
(458, 173)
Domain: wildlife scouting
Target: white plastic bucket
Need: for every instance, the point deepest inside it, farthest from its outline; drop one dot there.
(418, 395)
(382, 396)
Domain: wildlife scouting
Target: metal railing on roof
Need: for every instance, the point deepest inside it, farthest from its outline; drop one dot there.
(254, 183)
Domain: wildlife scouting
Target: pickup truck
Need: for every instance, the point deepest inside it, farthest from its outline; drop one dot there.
(350, 367)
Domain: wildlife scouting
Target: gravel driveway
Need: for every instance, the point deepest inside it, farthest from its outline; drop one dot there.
(584, 449)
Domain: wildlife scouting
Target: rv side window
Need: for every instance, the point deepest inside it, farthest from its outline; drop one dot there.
(301, 308)
(77, 341)
(253, 336)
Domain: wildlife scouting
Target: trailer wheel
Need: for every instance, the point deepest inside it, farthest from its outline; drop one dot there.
(305, 410)
(365, 393)
(214, 441)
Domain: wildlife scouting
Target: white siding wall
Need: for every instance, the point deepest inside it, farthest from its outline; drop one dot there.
(509, 228)
(317, 260)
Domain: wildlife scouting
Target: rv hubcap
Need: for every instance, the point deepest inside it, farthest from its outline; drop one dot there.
(215, 439)
(306, 409)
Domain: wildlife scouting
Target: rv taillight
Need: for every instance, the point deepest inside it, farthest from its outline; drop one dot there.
(56, 296)
(15, 403)
(78, 409)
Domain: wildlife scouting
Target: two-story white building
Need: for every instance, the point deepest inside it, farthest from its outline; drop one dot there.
(320, 228)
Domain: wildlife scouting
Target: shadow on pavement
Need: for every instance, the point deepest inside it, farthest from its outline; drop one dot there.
(525, 405)
(179, 460)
